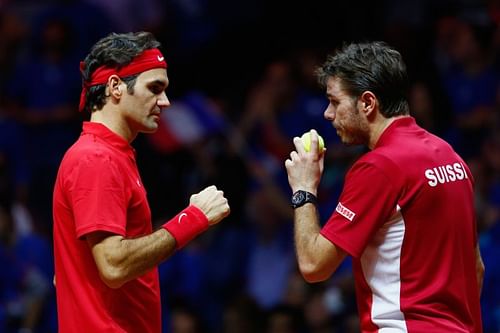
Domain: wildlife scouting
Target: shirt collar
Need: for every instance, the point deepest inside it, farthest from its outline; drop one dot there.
(110, 137)
(402, 122)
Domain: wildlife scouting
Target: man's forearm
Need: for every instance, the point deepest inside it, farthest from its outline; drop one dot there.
(318, 257)
(120, 260)
(307, 228)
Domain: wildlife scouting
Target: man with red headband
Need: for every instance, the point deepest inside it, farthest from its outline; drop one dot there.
(106, 252)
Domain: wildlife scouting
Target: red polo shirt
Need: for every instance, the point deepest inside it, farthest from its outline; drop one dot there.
(406, 216)
(98, 188)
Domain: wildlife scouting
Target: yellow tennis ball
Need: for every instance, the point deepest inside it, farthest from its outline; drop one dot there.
(306, 140)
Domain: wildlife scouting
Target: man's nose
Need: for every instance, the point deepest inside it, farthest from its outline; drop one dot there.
(163, 101)
(329, 114)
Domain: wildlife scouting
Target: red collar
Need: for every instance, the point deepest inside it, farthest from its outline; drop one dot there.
(109, 137)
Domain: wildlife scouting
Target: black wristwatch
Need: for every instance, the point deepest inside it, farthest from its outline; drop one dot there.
(300, 198)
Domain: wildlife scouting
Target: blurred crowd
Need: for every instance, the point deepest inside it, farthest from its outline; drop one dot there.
(242, 86)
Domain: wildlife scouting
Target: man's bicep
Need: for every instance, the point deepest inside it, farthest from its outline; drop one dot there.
(330, 256)
(101, 244)
(106, 250)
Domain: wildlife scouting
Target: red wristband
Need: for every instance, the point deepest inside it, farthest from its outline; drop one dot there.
(187, 225)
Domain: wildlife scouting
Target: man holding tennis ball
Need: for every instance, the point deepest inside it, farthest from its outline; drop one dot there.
(406, 212)
(306, 140)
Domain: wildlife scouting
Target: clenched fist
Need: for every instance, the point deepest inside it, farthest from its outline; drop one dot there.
(212, 202)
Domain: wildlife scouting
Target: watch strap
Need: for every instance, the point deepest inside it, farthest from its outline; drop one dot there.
(300, 198)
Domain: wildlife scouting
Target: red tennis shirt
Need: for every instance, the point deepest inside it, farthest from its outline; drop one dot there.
(406, 216)
(98, 188)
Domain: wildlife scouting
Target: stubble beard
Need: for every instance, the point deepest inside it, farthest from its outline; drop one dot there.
(152, 126)
(356, 134)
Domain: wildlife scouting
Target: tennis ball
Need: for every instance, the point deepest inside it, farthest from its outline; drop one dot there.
(306, 140)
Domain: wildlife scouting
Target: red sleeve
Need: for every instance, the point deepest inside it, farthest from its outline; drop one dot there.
(367, 201)
(98, 196)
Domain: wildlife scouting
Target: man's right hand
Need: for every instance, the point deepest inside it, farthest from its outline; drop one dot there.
(212, 203)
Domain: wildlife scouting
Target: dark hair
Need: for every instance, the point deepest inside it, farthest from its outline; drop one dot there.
(114, 51)
(370, 66)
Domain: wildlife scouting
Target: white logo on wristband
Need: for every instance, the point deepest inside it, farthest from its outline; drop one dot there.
(180, 217)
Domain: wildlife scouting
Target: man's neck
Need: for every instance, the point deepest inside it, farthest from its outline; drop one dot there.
(111, 120)
(379, 127)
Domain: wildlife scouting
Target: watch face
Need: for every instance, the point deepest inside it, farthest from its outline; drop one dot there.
(298, 197)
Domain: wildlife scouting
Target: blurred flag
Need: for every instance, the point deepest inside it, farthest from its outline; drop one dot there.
(191, 119)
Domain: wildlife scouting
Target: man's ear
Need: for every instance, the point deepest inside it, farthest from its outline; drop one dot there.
(369, 102)
(115, 86)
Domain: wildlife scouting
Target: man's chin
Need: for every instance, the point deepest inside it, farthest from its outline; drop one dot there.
(353, 143)
(350, 141)
(150, 129)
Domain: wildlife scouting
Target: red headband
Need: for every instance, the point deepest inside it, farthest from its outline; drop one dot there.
(149, 59)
